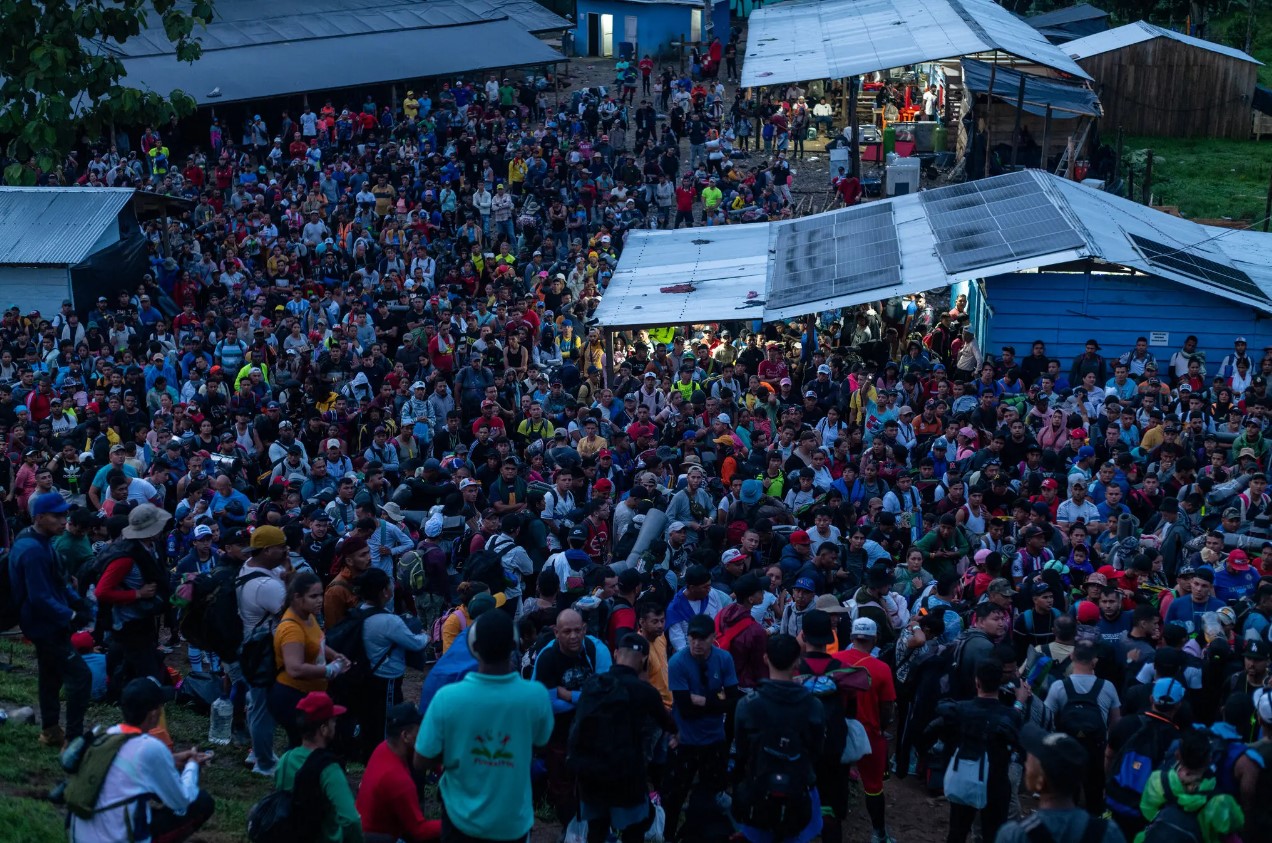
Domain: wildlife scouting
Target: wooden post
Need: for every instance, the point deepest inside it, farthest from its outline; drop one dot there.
(393, 99)
(1015, 132)
(1146, 190)
(989, 110)
(1046, 139)
(854, 149)
(1130, 182)
(682, 52)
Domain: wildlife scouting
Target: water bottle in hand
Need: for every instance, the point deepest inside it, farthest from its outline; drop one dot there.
(220, 721)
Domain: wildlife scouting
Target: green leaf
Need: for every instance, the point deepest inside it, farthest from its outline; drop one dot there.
(17, 174)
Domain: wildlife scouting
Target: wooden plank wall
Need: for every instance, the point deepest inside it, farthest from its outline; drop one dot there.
(1168, 89)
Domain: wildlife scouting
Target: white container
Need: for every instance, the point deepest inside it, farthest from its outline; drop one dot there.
(903, 176)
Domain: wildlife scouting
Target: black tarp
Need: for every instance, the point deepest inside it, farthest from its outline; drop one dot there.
(119, 266)
(1262, 101)
(1066, 99)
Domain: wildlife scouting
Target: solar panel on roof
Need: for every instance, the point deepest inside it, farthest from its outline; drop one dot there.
(986, 223)
(832, 255)
(1194, 266)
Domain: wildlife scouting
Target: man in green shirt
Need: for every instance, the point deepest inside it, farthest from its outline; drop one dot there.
(340, 823)
(73, 547)
(482, 731)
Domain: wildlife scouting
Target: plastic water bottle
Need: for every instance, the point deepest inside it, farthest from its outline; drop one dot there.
(220, 721)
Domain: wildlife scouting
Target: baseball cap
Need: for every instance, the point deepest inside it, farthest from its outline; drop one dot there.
(865, 628)
(1001, 586)
(318, 707)
(818, 628)
(203, 531)
(1257, 650)
(702, 626)
(805, 584)
(266, 536)
(800, 537)
(1238, 561)
(635, 642)
(402, 716)
(731, 555)
(676, 526)
(333, 443)
(1168, 691)
(1085, 452)
(49, 503)
(144, 694)
(1061, 756)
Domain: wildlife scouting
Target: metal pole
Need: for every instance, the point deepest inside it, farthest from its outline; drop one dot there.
(855, 146)
(607, 337)
(989, 109)
(1147, 189)
(1015, 133)
(1046, 140)
(1117, 162)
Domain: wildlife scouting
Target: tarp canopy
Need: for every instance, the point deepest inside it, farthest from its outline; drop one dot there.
(1067, 100)
(819, 39)
(918, 242)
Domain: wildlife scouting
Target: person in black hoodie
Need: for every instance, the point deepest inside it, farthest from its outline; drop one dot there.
(782, 716)
(623, 802)
(980, 726)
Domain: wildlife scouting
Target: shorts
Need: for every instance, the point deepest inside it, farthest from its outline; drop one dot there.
(871, 767)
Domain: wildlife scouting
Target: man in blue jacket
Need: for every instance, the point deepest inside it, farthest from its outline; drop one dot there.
(48, 607)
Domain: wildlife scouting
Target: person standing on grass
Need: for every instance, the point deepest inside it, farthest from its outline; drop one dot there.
(482, 731)
(48, 607)
(332, 818)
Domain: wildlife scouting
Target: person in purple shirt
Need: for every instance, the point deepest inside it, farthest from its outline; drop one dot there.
(1186, 612)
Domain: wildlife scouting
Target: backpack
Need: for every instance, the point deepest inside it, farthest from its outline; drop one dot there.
(441, 621)
(88, 774)
(604, 743)
(1081, 716)
(830, 686)
(487, 566)
(211, 620)
(774, 795)
(348, 639)
(293, 816)
(574, 585)
(1172, 824)
(256, 656)
(1134, 764)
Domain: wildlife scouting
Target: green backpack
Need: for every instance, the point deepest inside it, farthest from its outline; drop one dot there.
(84, 785)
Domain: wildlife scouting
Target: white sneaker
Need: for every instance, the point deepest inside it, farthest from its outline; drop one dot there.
(257, 771)
(250, 760)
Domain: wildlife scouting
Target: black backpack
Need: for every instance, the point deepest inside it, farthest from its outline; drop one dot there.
(1135, 762)
(211, 621)
(604, 744)
(347, 638)
(825, 686)
(1081, 716)
(296, 815)
(1173, 824)
(774, 795)
(486, 566)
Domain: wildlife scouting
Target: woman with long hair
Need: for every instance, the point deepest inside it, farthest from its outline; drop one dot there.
(305, 662)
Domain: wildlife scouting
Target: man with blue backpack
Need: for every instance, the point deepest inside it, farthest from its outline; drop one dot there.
(1137, 747)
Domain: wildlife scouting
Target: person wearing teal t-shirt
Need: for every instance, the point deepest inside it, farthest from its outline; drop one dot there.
(482, 731)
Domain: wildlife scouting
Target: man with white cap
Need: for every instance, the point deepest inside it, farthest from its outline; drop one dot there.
(134, 586)
(417, 413)
(875, 709)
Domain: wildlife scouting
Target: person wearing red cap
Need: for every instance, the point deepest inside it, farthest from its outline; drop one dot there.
(1236, 580)
(337, 819)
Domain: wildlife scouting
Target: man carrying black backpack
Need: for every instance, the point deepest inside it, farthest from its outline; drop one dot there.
(1086, 707)
(1137, 747)
(779, 732)
(605, 749)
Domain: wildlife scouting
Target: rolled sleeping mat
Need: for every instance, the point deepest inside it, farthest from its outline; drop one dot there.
(653, 528)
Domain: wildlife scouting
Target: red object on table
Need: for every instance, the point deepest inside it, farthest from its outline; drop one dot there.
(872, 152)
(904, 149)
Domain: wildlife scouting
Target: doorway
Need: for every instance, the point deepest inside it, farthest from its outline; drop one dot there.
(631, 27)
(695, 25)
(600, 35)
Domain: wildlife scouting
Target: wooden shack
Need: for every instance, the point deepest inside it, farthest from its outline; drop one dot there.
(1152, 81)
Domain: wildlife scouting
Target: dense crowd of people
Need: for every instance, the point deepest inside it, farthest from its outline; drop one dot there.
(715, 580)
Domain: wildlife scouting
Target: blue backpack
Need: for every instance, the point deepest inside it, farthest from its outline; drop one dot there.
(1136, 761)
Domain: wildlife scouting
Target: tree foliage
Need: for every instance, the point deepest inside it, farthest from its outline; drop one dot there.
(60, 71)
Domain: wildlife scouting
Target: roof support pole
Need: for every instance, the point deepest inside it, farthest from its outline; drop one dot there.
(1267, 212)
(607, 338)
(1046, 140)
(989, 110)
(1020, 107)
(855, 145)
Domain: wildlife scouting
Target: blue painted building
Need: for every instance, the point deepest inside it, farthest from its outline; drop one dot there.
(651, 26)
(1065, 309)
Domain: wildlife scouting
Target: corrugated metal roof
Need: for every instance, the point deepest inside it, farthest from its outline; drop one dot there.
(267, 70)
(240, 23)
(55, 226)
(1065, 99)
(1072, 14)
(726, 264)
(863, 36)
(1139, 32)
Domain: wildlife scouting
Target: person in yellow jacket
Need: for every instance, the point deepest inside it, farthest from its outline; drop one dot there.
(410, 105)
(517, 169)
(247, 370)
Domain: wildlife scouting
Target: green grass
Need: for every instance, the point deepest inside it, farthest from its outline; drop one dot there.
(28, 771)
(1204, 177)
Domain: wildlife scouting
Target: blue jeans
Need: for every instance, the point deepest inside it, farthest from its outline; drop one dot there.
(260, 723)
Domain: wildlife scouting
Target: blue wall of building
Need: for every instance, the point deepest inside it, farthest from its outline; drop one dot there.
(1064, 310)
(657, 25)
